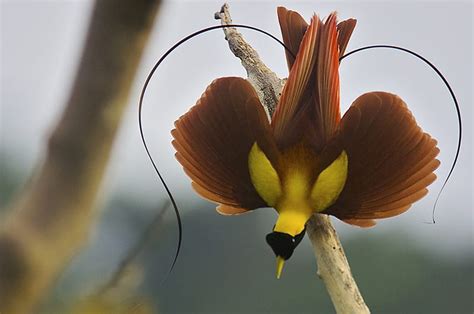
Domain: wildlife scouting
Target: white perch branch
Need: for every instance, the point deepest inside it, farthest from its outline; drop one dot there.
(265, 81)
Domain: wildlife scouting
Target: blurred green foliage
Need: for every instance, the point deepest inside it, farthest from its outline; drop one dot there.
(230, 269)
(225, 265)
(10, 178)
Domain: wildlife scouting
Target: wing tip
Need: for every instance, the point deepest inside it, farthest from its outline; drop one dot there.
(363, 223)
(227, 210)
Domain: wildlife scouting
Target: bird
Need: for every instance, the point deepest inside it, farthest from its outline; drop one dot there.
(372, 162)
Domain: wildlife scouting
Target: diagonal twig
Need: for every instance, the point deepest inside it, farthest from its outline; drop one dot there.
(266, 83)
(135, 250)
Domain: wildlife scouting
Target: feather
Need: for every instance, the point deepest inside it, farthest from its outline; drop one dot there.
(213, 141)
(295, 96)
(391, 160)
(293, 28)
(363, 223)
(327, 112)
(345, 29)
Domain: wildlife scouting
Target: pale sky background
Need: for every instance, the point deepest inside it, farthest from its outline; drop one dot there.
(41, 42)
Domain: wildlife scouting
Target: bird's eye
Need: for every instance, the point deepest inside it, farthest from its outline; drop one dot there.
(283, 244)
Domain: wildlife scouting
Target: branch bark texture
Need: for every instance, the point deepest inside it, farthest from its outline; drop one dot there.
(333, 266)
(50, 219)
(265, 81)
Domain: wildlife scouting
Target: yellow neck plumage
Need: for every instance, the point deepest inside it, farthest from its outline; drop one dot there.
(296, 192)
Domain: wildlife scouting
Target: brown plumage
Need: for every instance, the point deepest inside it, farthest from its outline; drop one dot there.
(213, 139)
(372, 163)
(391, 161)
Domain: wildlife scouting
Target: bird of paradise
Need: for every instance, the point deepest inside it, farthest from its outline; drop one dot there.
(372, 163)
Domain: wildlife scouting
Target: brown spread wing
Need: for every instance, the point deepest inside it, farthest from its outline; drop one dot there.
(213, 141)
(391, 160)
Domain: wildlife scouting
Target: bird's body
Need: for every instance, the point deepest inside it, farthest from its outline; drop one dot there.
(371, 163)
(298, 191)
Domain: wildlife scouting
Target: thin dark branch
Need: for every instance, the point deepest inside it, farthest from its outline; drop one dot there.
(135, 250)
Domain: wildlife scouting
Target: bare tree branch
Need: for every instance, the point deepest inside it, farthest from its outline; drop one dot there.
(51, 218)
(266, 83)
(333, 267)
